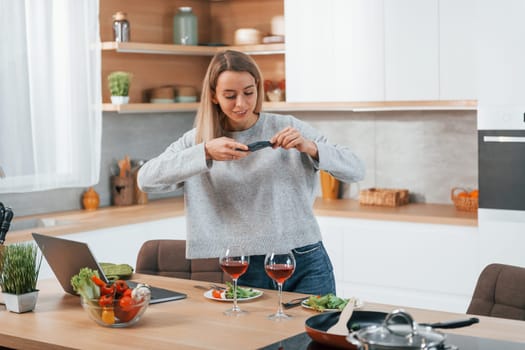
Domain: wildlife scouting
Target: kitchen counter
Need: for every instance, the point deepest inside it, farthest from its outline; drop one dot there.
(68, 222)
(59, 322)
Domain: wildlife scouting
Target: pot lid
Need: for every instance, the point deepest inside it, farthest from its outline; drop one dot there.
(396, 335)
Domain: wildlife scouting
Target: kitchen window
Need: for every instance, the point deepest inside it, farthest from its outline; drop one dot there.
(50, 93)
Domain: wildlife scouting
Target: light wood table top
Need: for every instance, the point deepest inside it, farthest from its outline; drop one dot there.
(59, 322)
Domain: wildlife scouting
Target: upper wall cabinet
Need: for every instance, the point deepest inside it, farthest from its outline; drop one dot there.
(377, 50)
(430, 50)
(501, 67)
(457, 50)
(411, 50)
(334, 50)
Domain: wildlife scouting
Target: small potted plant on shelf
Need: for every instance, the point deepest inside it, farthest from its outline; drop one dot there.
(19, 269)
(119, 83)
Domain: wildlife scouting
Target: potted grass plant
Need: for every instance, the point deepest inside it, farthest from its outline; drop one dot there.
(19, 268)
(119, 83)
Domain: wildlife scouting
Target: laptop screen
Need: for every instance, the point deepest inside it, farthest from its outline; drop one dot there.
(66, 258)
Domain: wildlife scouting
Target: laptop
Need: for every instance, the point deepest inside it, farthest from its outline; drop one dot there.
(67, 257)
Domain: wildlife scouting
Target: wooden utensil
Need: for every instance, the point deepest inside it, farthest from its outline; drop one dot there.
(340, 327)
(125, 167)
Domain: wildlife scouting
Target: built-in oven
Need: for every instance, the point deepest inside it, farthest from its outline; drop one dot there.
(501, 169)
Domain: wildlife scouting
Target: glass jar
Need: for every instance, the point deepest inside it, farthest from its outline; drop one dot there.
(185, 27)
(121, 30)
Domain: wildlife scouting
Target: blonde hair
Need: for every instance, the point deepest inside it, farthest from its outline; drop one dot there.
(208, 123)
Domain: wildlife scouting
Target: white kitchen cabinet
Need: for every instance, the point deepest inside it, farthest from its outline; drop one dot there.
(501, 67)
(309, 49)
(358, 55)
(411, 50)
(334, 50)
(457, 50)
(400, 263)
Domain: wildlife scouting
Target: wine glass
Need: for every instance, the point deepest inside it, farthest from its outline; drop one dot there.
(234, 263)
(279, 267)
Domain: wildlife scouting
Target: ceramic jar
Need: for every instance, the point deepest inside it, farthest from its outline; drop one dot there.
(90, 199)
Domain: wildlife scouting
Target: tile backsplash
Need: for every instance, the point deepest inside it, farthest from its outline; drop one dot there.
(428, 152)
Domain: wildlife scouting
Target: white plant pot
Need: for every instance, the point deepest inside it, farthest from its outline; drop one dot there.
(20, 303)
(119, 100)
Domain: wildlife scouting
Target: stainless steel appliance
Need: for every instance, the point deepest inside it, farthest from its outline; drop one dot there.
(502, 169)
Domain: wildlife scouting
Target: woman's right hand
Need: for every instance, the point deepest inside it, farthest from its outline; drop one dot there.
(225, 148)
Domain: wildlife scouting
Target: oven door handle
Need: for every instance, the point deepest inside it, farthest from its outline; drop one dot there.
(504, 139)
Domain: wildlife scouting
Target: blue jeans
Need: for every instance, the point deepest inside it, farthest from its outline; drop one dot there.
(313, 273)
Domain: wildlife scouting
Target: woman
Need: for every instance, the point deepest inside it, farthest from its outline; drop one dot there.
(261, 200)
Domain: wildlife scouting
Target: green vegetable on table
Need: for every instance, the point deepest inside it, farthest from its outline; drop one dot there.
(85, 287)
(114, 272)
(242, 293)
(327, 301)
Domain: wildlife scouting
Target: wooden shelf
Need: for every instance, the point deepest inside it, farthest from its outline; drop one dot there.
(150, 107)
(303, 106)
(188, 50)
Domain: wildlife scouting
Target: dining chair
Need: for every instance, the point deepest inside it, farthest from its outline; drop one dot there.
(500, 292)
(167, 257)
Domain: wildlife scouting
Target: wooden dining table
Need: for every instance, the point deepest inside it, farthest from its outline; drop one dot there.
(196, 322)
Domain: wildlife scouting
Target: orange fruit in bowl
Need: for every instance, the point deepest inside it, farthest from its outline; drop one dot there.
(474, 194)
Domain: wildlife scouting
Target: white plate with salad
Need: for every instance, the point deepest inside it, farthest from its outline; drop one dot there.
(329, 303)
(243, 294)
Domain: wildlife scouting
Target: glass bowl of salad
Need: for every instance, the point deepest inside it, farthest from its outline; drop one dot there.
(121, 311)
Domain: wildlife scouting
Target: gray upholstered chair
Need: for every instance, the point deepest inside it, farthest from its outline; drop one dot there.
(167, 257)
(500, 292)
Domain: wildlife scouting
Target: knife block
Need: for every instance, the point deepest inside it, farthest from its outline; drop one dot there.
(122, 189)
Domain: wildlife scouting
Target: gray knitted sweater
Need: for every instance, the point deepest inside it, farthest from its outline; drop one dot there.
(262, 202)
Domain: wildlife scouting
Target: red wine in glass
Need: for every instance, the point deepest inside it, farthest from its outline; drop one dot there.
(234, 263)
(279, 267)
(279, 272)
(234, 268)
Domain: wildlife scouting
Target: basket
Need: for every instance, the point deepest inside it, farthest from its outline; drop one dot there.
(463, 203)
(384, 197)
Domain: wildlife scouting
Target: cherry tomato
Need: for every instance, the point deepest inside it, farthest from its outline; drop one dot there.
(121, 286)
(107, 289)
(217, 294)
(106, 300)
(126, 316)
(126, 303)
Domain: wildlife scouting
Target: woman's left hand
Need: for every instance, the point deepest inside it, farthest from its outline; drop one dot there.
(289, 138)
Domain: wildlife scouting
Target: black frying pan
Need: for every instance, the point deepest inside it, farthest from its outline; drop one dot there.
(316, 326)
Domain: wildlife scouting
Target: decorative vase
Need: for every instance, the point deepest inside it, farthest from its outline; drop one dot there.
(119, 100)
(20, 303)
(90, 199)
(329, 186)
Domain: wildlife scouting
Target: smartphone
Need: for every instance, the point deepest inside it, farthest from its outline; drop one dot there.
(255, 146)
